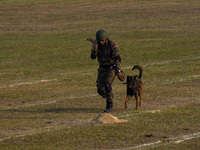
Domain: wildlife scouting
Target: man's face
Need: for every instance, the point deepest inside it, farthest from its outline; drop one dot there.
(102, 42)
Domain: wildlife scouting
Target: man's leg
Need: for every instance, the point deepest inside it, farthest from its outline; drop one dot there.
(100, 83)
(109, 92)
(101, 92)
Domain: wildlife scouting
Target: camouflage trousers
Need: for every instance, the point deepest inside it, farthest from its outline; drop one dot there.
(104, 82)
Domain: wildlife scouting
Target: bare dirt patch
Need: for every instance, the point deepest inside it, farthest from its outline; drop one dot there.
(107, 118)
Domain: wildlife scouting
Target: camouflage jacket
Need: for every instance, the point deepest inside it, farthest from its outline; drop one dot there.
(107, 55)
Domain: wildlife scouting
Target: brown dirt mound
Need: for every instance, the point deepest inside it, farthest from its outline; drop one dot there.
(106, 118)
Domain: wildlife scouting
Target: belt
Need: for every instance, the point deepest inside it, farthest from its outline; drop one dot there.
(106, 66)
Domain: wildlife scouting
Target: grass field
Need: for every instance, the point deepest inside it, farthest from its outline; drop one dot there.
(48, 81)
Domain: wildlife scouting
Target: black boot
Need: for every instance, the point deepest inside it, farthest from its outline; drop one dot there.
(109, 107)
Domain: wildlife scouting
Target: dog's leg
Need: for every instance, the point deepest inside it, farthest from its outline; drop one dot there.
(137, 100)
(140, 97)
(126, 101)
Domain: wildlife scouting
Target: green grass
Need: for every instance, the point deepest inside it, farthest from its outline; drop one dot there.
(162, 125)
(48, 81)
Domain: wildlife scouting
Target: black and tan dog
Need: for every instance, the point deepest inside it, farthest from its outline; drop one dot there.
(134, 87)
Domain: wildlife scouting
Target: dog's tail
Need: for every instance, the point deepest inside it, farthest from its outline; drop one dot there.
(140, 68)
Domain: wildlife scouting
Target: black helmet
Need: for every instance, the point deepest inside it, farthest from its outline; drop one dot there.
(101, 35)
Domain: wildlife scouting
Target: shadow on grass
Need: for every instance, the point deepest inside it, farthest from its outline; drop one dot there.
(75, 110)
(58, 110)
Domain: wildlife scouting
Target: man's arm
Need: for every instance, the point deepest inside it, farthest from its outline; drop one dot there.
(94, 51)
(94, 47)
(116, 57)
(117, 62)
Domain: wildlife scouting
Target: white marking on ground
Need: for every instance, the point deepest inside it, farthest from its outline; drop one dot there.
(128, 67)
(45, 102)
(175, 140)
(84, 96)
(144, 145)
(33, 82)
(166, 62)
(31, 132)
(136, 113)
(186, 78)
(184, 138)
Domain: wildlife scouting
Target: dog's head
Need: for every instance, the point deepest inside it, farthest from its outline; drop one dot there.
(131, 81)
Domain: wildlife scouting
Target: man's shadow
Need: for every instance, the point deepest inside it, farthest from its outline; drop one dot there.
(74, 110)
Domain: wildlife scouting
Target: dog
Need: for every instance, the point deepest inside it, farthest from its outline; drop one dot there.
(134, 87)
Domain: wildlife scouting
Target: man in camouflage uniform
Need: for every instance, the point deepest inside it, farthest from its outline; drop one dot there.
(107, 53)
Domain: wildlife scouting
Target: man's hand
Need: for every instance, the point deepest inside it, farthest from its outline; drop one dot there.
(94, 47)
